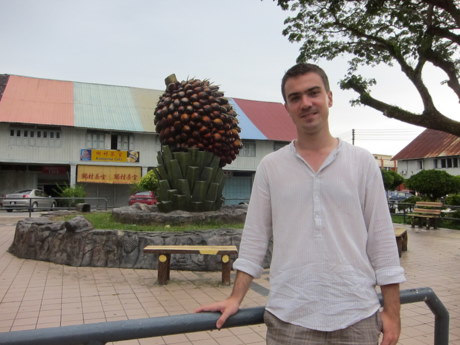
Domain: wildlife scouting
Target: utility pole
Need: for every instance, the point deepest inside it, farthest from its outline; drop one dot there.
(353, 136)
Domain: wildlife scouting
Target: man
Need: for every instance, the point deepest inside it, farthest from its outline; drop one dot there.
(323, 203)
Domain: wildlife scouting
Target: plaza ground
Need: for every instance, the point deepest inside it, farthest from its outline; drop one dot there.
(37, 294)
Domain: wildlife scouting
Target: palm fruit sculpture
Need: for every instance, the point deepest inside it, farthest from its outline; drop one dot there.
(199, 134)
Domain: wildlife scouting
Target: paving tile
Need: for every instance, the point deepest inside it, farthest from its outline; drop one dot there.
(35, 294)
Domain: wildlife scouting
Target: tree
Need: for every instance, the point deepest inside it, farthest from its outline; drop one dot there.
(391, 179)
(410, 33)
(433, 183)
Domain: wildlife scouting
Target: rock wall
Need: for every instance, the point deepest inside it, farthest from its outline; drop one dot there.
(76, 243)
(149, 214)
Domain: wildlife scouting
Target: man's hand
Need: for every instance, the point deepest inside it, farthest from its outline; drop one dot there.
(390, 314)
(227, 307)
(391, 328)
(231, 305)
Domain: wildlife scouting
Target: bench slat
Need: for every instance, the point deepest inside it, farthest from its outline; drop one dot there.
(427, 211)
(190, 249)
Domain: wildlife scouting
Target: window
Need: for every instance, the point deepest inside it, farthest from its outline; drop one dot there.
(95, 140)
(248, 149)
(35, 136)
(447, 163)
(122, 141)
(420, 164)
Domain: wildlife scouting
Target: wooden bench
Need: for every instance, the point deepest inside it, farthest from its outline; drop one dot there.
(401, 240)
(426, 213)
(164, 258)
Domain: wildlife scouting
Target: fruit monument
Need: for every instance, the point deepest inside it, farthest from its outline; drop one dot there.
(199, 134)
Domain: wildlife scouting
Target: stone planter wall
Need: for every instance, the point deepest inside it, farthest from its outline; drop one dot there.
(76, 243)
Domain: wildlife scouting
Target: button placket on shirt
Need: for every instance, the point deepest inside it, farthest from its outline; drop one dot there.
(317, 202)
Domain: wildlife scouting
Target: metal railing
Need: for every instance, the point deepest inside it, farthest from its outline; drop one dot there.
(101, 333)
(33, 204)
(402, 209)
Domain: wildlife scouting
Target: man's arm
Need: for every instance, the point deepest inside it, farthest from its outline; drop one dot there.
(231, 305)
(390, 314)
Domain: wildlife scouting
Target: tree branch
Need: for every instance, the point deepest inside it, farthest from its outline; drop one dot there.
(429, 119)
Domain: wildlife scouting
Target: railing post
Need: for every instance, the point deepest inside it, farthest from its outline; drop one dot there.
(441, 321)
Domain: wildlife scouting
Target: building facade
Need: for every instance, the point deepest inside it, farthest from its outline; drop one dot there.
(58, 133)
(432, 149)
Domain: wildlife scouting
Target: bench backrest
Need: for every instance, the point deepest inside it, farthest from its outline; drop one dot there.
(428, 204)
(428, 208)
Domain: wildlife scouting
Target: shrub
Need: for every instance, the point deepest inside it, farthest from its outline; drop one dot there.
(70, 192)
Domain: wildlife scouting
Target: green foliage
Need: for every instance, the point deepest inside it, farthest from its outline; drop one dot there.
(148, 182)
(433, 183)
(391, 179)
(453, 199)
(73, 193)
(410, 34)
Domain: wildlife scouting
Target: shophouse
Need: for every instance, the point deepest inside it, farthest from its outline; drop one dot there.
(55, 133)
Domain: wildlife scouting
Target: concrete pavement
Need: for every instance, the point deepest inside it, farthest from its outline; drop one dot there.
(36, 294)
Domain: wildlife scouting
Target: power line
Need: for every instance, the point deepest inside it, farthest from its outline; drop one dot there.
(388, 134)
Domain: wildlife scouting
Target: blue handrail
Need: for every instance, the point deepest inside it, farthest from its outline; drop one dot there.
(101, 333)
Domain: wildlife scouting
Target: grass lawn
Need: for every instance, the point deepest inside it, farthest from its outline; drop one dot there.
(104, 220)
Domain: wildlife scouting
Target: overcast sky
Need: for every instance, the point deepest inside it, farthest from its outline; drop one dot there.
(237, 44)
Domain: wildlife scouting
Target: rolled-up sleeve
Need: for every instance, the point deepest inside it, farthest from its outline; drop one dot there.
(257, 228)
(381, 246)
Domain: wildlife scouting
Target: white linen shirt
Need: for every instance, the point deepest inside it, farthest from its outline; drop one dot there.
(333, 238)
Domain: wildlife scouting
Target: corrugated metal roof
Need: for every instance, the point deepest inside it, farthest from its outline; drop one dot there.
(270, 118)
(248, 129)
(105, 107)
(109, 107)
(145, 101)
(38, 101)
(430, 143)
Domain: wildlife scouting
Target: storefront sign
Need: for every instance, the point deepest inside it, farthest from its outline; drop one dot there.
(109, 156)
(105, 174)
(54, 170)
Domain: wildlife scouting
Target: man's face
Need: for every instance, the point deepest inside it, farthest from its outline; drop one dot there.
(308, 102)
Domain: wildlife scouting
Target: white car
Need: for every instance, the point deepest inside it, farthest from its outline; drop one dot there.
(35, 199)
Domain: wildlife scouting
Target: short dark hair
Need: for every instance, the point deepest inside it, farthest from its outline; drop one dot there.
(301, 69)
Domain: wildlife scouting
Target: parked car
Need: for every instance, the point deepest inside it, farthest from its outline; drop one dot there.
(398, 195)
(35, 199)
(148, 198)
